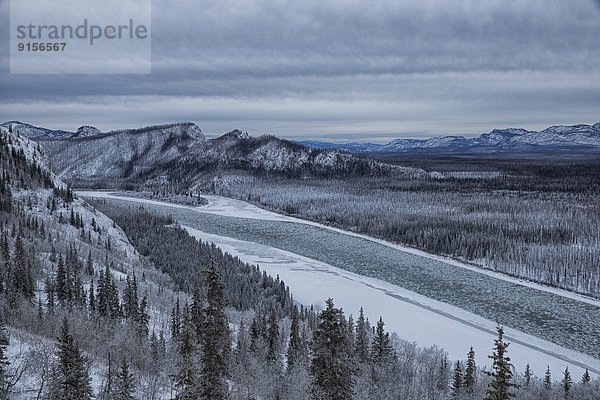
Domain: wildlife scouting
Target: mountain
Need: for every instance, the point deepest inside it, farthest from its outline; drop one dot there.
(118, 156)
(512, 139)
(178, 156)
(34, 132)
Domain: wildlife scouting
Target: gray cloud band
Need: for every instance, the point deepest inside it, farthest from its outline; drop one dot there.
(468, 64)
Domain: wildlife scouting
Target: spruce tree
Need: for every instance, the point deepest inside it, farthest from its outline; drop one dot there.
(61, 281)
(215, 340)
(585, 379)
(382, 352)
(470, 372)
(351, 333)
(566, 383)
(332, 365)
(528, 374)
(457, 381)
(125, 382)
(362, 338)
(73, 381)
(143, 319)
(295, 351)
(273, 337)
(500, 386)
(548, 379)
(89, 266)
(22, 279)
(186, 379)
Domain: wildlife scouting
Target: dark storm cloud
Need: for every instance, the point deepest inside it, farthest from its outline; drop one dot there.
(385, 68)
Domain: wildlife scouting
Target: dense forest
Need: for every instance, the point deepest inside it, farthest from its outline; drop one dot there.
(129, 306)
(547, 237)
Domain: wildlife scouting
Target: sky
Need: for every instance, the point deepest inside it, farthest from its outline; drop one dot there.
(340, 70)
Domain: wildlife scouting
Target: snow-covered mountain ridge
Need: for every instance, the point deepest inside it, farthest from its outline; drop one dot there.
(180, 155)
(86, 131)
(510, 139)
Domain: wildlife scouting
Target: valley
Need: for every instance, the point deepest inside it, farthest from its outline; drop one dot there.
(447, 304)
(452, 252)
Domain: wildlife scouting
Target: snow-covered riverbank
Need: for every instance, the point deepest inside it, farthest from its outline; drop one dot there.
(413, 316)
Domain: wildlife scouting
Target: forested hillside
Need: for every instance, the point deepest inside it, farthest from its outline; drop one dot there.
(89, 310)
(171, 159)
(550, 237)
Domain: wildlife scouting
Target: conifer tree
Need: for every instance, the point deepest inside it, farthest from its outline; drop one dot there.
(296, 348)
(215, 340)
(22, 280)
(125, 382)
(548, 379)
(566, 383)
(362, 338)
(89, 266)
(143, 319)
(186, 380)
(130, 298)
(197, 312)
(585, 379)
(332, 362)
(382, 351)
(470, 372)
(73, 381)
(500, 386)
(528, 374)
(457, 381)
(273, 337)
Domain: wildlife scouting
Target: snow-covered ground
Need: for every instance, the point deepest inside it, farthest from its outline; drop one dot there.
(228, 207)
(414, 317)
(236, 208)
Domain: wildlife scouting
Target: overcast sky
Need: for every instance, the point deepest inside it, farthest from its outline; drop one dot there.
(337, 69)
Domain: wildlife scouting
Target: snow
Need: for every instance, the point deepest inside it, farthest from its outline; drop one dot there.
(431, 322)
(236, 208)
(228, 207)
(414, 317)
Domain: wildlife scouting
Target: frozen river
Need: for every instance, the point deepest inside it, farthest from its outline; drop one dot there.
(423, 298)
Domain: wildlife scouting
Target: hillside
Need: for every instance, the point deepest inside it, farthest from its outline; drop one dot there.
(70, 272)
(173, 158)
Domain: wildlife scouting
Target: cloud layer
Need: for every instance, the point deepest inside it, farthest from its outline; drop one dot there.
(339, 69)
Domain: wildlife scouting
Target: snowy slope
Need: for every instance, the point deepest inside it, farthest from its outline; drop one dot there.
(236, 150)
(155, 157)
(121, 154)
(34, 204)
(35, 132)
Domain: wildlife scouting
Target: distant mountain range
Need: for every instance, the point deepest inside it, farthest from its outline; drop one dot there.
(179, 156)
(499, 140)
